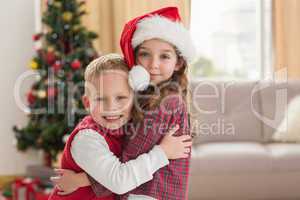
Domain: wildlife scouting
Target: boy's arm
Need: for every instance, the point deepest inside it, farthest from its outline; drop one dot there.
(91, 152)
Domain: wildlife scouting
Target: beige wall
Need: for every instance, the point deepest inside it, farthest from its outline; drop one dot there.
(16, 49)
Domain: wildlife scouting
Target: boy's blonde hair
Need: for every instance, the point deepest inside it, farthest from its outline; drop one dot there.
(103, 63)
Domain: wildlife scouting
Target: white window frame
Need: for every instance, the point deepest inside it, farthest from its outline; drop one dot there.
(266, 71)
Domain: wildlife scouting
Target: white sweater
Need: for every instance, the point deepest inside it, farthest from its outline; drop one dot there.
(91, 152)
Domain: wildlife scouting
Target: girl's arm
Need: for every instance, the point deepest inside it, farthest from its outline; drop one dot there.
(69, 181)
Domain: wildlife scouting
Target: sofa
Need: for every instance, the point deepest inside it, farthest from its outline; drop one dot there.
(233, 154)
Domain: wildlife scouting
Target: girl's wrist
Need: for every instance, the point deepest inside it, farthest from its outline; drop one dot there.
(163, 148)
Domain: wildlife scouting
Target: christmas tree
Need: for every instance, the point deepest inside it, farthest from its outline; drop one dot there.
(55, 99)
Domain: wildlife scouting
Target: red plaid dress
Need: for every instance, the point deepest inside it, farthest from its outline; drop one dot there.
(170, 182)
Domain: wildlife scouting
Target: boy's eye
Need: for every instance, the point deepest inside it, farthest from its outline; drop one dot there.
(99, 99)
(121, 97)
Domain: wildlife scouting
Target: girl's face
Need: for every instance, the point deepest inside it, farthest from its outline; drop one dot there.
(110, 99)
(158, 58)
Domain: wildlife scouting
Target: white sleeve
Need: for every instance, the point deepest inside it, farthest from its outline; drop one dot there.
(91, 152)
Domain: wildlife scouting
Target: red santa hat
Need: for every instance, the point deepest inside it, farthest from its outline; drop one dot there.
(163, 24)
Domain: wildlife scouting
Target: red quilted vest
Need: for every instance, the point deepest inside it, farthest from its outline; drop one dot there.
(114, 141)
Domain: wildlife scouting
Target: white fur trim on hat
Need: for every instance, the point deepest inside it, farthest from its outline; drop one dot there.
(170, 31)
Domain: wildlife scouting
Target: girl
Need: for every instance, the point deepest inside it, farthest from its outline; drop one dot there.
(159, 43)
(97, 138)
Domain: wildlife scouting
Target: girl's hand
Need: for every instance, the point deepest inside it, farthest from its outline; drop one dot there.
(68, 181)
(176, 146)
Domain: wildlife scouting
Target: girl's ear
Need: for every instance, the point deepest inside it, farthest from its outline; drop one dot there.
(86, 102)
(179, 64)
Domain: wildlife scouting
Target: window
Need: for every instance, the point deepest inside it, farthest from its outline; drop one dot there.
(233, 38)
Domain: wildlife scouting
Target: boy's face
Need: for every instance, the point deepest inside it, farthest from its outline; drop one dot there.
(110, 99)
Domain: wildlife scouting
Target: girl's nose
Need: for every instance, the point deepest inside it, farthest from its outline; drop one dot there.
(154, 64)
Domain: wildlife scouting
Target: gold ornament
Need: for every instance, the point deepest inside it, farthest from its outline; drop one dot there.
(67, 16)
(76, 27)
(83, 8)
(50, 49)
(41, 94)
(33, 64)
(57, 53)
(57, 4)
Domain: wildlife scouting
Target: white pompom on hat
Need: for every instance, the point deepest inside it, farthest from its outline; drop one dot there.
(139, 78)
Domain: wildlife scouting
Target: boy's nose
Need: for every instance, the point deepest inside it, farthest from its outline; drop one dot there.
(111, 105)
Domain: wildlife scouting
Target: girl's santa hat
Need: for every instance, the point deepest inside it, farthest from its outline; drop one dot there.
(163, 24)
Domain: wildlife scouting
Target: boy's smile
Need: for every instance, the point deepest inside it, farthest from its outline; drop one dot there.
(112, 118)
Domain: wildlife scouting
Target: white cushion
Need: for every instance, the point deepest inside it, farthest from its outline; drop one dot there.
(289, 128)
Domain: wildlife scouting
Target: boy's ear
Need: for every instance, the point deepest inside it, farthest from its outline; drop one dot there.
(85, 101)
(179, 64)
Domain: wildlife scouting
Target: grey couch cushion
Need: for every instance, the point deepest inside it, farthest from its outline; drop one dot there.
(245, 186)
(285, 157)
(230, 158)
(245, 157)
(222, 111)
(274, 100)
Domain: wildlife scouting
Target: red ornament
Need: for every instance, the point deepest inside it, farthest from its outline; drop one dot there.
(76, 64)
(50, 57)
(52, 92)
(30, 97)
(36, 37)
(56, 66)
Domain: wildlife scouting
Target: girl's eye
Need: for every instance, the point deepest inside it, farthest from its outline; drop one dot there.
(143, 54)
(165, 56)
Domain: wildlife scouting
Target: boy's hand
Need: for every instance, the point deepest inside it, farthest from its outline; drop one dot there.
(67, 181)
(176, 146)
